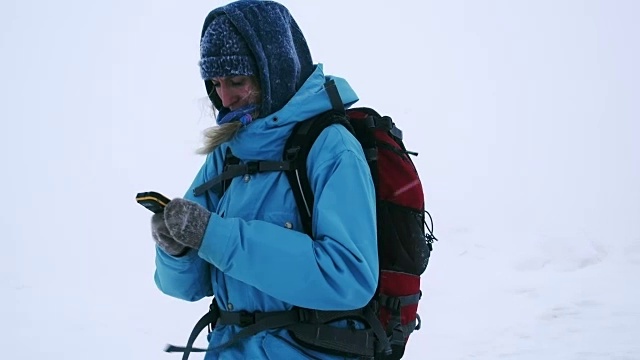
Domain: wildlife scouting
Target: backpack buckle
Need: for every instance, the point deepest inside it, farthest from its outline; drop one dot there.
(246, 318)
(396, 132)
(394, 303)
(371, 122)
(292, 154)
(304, 315)
(384, 123)
(253, 167)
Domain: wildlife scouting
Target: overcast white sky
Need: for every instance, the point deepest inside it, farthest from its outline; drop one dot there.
(525, 114)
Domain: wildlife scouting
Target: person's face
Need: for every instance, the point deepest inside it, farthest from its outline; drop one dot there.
(237, 91)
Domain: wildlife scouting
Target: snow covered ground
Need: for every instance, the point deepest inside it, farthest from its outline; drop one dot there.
(525, 115)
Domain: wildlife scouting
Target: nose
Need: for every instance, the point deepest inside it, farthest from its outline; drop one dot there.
(227, 95)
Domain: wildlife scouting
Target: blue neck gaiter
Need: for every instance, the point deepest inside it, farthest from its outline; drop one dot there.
(243, 114)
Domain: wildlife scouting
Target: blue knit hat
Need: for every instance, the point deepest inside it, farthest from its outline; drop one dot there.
(223, 51)
(256, 37)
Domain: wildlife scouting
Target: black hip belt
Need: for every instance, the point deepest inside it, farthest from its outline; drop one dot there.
(310, 328)
(244, 318)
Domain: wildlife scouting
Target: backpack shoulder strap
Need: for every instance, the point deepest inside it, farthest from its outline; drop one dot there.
(296, 152)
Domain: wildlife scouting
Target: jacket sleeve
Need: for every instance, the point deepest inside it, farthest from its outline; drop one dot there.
(338, 270)
(188, 277)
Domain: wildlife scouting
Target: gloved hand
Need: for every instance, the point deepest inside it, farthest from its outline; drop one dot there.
(163, 238)
(186, 221)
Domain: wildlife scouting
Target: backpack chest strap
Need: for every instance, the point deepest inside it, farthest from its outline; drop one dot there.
(234, 170)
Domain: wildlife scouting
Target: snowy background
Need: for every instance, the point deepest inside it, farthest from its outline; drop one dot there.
(525, 114)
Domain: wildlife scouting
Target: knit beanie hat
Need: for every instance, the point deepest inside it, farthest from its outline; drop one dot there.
(224, 52)
(260, 38)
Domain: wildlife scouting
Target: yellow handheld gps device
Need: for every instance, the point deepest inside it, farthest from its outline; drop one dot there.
(153, 201)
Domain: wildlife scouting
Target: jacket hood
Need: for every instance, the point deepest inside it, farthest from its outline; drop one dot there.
(282, 57)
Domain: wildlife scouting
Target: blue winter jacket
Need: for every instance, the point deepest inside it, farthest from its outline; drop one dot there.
(255, 255)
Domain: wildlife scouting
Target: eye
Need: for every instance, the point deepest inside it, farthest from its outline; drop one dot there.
(239, 81)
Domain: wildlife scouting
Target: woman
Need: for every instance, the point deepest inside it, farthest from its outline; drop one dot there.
(247, 246)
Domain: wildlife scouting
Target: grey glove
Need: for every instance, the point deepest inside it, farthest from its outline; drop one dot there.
(163, 238)
(186, 221)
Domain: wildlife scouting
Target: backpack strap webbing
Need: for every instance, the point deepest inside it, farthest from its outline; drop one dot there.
(233, 168)
(334, 95)
(206, 320)
(310, 328)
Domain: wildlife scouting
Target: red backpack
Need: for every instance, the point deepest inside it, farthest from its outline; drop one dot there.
(404, 246)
